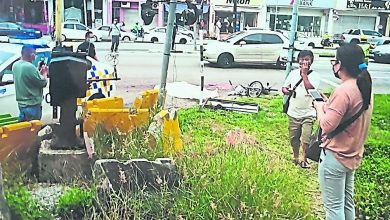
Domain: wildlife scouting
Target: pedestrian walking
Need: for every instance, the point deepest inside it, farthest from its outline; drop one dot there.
(342, 153)
(115, 31)
(301, 114)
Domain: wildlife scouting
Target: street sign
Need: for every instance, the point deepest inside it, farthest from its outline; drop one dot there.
(369, 4)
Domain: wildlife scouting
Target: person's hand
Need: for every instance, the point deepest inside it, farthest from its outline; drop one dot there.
(286, 90)
(44, 70)
(305, 66)
(324, 97)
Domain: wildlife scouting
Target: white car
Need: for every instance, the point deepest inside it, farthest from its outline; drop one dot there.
(76, 31)
(10, 53)
(254, 46)
(381, 53)
(157, 35)
(103, 31)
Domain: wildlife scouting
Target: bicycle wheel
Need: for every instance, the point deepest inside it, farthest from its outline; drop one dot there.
(255, 89)
(109, 57)
(116, 61)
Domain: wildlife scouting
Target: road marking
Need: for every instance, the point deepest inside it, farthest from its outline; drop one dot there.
(330, 82)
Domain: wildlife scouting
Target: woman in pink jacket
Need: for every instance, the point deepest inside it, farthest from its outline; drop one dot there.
(342, 153)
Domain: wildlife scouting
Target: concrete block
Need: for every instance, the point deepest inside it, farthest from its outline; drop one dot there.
(63, 166)
(135, 175)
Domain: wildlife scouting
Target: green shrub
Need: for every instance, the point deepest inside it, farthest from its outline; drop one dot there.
(74, 203)
(373, 176)
(24, 206)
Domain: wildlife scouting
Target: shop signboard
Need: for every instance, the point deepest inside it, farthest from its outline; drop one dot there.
(303, 3)
(369, 4)
(250, 3)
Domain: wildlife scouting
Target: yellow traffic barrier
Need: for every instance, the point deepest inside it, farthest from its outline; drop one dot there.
(18, 136)
(111, 114)
(171, 133)
(110, 119)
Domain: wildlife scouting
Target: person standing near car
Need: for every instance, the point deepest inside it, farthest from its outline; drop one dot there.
(301, 114)
(87, 46)
(29, 84)
(115, 31)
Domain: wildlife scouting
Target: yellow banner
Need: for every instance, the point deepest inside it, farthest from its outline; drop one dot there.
(253, 3)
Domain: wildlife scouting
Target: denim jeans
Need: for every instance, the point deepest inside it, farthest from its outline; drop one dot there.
(337, 188)
(30, 113)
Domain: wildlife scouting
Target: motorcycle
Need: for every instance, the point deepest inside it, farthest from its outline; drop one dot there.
(326, 43)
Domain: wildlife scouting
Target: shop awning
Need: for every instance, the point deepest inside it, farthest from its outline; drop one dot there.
(180, 7)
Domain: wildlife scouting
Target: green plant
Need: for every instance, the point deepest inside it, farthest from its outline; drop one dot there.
(124, 147)
(24, 206)
(74, 202)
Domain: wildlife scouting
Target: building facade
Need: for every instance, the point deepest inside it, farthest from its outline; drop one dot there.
(313, 16)
(364, 14)
(249, 14)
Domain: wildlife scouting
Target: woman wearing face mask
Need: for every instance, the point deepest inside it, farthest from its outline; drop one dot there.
(342, 153)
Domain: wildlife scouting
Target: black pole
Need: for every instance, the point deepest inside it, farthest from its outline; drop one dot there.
(234, 15)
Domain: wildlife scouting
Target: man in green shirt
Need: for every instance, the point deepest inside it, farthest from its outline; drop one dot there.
(29, 84)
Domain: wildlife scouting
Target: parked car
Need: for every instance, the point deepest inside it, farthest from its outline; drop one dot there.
(10, 53)
(356, 36)
(381, 53)
(157, 35)
(76, 31)
(254, 46)
(302, 40)
(103, 31)
(13, 30)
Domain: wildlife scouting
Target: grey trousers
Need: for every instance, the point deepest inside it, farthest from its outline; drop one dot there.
(115, 43)
(337, 188)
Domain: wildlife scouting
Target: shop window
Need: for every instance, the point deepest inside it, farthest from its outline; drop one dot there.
(271, 39)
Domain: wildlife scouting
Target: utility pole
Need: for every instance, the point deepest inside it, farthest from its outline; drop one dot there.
(294, 22)
(195, 28)
(58, 24)
(167, 52)
(234, 15)
(201, 52)
(276, 14)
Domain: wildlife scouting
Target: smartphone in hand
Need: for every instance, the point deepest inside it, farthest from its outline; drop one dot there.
(315, 95)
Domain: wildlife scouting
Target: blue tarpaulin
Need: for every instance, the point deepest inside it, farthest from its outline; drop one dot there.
(180, 7)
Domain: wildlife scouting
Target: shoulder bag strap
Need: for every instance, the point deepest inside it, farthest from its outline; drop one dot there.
(346, 123)
(296, 85)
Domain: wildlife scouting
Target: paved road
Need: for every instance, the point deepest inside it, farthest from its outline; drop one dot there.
(140, 68)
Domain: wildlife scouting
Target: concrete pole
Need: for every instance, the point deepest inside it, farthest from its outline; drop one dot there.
(167, 52)
(93, 13)
(234, 15)
(276, 14)
(195, 35)
(294, 23)
(59, 10)
(85, 12)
